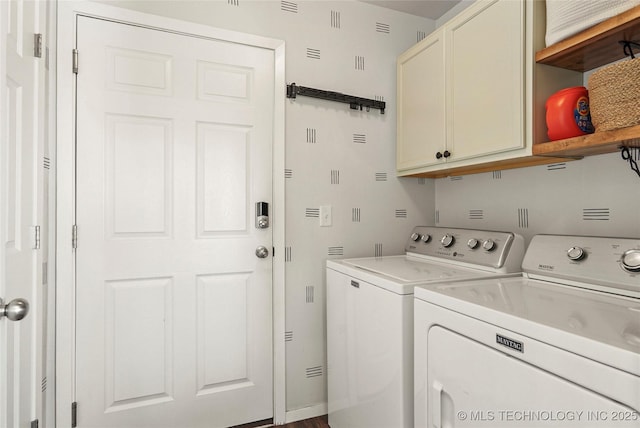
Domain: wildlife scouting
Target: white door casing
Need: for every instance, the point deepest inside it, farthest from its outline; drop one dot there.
(22, 132)
(186, 259)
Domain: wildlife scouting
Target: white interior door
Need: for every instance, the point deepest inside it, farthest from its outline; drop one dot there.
(174, 308)
(21, 115)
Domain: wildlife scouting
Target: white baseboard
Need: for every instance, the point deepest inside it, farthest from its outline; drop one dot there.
(306, 413)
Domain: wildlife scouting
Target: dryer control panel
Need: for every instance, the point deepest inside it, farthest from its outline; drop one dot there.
(601, 263)
(481, 248)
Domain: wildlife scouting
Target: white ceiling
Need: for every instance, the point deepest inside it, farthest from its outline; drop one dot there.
(432, 9)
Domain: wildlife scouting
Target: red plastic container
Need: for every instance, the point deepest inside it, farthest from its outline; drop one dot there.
(568, 113)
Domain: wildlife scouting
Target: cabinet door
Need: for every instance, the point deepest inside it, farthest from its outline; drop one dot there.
(421, 104)
(485, 80)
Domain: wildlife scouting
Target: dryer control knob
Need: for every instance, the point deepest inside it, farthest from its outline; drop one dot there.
(631, 260)
(426, 238)
(447, 240)
(576, 253)
(415, 237)
(473, 243)
(489, 245)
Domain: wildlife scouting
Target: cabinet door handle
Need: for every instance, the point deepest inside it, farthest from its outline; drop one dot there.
(438, 155)
(446, 154)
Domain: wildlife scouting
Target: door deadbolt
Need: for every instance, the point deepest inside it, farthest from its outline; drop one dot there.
(262, 215)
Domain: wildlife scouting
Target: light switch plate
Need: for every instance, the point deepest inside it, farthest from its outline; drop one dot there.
(325, 216)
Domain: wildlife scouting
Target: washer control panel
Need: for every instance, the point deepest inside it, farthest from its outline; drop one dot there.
(631, 261)
(479, 247)
(609, 264)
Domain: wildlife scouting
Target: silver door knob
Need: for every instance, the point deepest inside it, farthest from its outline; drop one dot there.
(15, 310)
(262, 252)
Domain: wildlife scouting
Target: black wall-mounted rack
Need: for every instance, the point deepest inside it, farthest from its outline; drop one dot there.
(355, 103)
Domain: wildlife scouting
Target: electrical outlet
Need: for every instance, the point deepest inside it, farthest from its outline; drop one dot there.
(325, 216)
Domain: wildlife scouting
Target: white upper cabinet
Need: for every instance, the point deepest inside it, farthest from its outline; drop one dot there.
(421, 106)
(470, 93)
(485, 84)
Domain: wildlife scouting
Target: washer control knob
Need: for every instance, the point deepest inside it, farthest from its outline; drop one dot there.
(489, 245)
(473, 243)
(576, 253)
(426, 238)
(447, 240)
(631, 260)
(415, 237)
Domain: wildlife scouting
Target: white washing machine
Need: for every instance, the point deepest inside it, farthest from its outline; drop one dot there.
(370, 318)
(557, 347)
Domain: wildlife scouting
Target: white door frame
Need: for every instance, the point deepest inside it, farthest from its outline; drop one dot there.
(65, 179)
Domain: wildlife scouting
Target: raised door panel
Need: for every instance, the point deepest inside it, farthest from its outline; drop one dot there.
(223, 177)
(138, 164)
(486, 81)
(138, 341)
(421, 104)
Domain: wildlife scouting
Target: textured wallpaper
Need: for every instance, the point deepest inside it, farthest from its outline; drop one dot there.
(595, 196)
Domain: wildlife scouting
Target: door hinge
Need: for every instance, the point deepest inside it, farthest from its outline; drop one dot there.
(37, 45)
(34, 424)
(36, 237)
(75, 61)
(74, 414)
(74, 237)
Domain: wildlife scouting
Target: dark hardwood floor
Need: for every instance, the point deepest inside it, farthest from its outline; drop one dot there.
(319, 422)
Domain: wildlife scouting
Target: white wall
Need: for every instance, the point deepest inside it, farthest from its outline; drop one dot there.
(349, 47)
(597, 196)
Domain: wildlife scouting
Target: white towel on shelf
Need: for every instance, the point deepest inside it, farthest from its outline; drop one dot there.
(568, 17)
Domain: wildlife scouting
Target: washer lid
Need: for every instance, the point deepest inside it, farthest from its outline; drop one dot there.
(400, 274)
(554, 313)
(406, 269)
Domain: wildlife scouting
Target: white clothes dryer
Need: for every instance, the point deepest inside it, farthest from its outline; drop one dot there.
(370, 318)
(557, 347)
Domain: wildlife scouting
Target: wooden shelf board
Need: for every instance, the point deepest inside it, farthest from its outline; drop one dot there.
(593, 144)
(595, 46)
(493, 166)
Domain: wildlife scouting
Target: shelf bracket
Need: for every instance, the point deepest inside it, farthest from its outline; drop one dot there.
(628, 46)
(355, 103)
